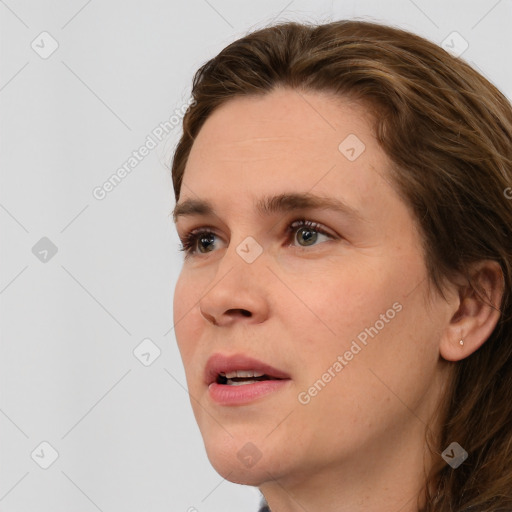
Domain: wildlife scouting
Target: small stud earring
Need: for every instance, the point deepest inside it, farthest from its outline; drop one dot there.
(461, 342)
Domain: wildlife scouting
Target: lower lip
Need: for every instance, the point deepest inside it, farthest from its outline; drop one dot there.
(237, 395)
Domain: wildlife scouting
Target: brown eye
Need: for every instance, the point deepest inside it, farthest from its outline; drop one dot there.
(308, 235)
(205, 241)
(200, 241)
(306, 232)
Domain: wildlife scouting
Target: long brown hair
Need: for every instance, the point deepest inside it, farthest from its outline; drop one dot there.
(448, 132)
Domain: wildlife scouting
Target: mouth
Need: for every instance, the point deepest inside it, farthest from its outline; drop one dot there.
(238, 380)
(242, 377)
(238, 369)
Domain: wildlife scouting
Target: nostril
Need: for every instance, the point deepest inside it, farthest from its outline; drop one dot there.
(243, 312)
(208, 317)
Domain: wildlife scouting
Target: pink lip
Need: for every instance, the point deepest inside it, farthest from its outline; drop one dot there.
(224, 394)
(237, 395)
(220, 363)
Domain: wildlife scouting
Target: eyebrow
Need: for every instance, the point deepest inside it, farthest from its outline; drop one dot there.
(281, 203)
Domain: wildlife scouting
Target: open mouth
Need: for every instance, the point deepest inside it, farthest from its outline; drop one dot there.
(223, 372)
(239, 378)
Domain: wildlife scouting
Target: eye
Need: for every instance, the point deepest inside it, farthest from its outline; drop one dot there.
(305, 232)
(202, 238)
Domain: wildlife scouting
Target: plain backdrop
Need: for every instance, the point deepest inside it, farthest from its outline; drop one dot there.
(94, 412)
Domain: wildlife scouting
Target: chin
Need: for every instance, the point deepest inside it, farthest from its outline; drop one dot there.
(241, 461)
(234, 468)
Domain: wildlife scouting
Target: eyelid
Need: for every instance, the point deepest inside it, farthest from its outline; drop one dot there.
(190, 238)
(314, 225)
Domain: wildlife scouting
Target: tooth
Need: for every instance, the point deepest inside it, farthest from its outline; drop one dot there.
(242, 374)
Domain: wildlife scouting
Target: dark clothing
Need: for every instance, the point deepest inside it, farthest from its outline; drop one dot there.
(264, 506)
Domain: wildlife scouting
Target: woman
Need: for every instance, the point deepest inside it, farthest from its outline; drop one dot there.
(343, 311)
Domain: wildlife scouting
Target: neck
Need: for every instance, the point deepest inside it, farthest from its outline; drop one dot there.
(372, 480)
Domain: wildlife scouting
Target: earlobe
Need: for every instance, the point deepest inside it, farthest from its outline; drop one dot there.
(477, 314)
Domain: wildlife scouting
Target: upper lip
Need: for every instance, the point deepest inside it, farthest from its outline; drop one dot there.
(218, 363)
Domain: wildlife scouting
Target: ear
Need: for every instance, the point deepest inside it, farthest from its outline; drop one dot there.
(477, 312)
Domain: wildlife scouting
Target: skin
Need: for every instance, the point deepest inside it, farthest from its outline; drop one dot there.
(358, 445)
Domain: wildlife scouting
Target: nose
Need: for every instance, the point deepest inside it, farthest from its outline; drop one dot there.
(237, 293)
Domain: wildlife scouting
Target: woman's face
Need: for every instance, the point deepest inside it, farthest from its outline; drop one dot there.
(339, 307)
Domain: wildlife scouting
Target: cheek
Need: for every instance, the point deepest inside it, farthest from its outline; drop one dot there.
(351, 308)
(384, 338)
(186, 324)
(181, 290)
(335, 299)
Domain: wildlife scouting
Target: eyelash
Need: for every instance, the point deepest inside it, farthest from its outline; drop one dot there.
(190, 239)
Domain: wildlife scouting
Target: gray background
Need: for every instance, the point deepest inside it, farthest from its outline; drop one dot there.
(122, 425)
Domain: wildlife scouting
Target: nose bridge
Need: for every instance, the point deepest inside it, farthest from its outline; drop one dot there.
(238, 284)
(242, 265)
(245, 248)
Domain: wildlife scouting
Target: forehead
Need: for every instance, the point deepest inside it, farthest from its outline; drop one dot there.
(284, 118)
(286, 139)
(284, 129)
